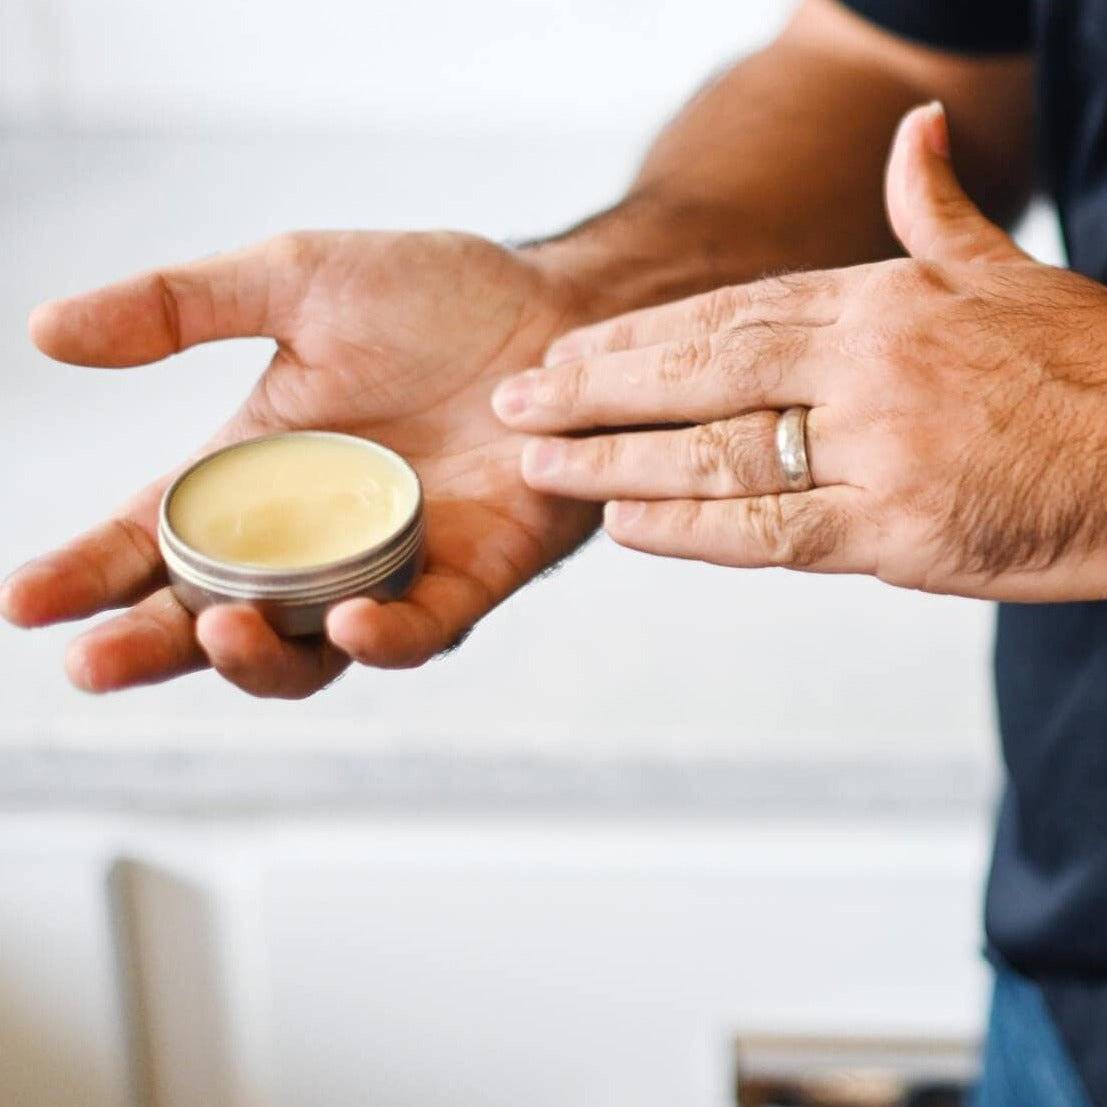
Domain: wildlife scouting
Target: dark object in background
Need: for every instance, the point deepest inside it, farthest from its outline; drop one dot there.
(777, 1071)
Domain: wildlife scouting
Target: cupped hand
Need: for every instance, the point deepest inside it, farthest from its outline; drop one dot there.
(957, 430)
(395, 337)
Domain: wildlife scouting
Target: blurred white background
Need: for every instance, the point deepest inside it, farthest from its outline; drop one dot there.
(578, 66)
(837, 733)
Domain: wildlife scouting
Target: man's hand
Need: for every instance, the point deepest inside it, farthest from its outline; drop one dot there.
(400, 338)
(958, 423)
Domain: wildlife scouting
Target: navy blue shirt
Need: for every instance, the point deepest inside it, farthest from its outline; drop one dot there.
(1046, 910)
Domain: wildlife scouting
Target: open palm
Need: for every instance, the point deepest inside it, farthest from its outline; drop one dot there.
(396, 337)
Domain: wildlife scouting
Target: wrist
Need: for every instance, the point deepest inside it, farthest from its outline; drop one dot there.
(646, 250)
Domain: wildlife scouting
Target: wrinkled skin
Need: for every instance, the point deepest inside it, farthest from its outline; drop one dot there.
(958, 426)
(399, 338)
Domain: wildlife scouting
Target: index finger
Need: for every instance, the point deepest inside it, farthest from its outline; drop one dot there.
(807, 299)
(696, 380)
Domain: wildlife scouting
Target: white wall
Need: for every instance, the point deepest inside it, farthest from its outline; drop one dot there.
(474, 66)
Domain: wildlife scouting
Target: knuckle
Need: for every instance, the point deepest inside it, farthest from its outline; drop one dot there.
(759, 353)
(798, 535)
(733, 458)
(173, 290)
(783, 288)
(602, 455)
(680, 360)
(619, 335)
(689, 518)
(166, 648)
(762, 339)
(800, 288)
(713, 310)
(565, 387)
(138, 541)
(763, 521)
(706, 452)
(752, 458)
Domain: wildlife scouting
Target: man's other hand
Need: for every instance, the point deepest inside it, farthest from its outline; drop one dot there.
(957, 430)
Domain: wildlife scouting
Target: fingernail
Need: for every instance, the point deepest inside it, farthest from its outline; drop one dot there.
(542, 457)
(937, 129)
(513, 396)
(622, 513)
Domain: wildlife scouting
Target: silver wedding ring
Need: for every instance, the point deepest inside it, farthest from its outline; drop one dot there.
(791, 447)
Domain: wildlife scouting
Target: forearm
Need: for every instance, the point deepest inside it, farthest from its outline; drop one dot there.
(777, 165)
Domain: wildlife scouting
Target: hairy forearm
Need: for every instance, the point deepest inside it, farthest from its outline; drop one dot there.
(777, 164)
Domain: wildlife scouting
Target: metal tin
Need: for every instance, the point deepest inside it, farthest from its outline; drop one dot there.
(296, 601)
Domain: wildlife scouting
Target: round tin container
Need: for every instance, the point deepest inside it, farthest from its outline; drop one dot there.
(295, 601)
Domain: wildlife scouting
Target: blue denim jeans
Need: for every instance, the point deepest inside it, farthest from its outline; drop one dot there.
(1025, 1061)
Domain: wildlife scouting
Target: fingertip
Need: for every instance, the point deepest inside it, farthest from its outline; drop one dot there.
(928, 209)
(350, 626)
(22, 603)
(89, 670)
(913, 178)
(381, 636)
(246, 650)
(41, 324)
(11, 609)
(61, 329)
(114, 327)
(233, 631)
(923, 130)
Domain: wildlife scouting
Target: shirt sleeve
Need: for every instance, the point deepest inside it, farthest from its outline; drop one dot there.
(961, 26)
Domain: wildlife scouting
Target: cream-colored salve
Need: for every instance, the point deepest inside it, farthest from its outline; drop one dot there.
(292, 501)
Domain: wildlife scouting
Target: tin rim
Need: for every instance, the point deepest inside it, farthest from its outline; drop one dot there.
(307, 588)
(385, 555)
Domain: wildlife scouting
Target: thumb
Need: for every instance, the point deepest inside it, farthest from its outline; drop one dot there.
(927, 207)
(155, 314)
